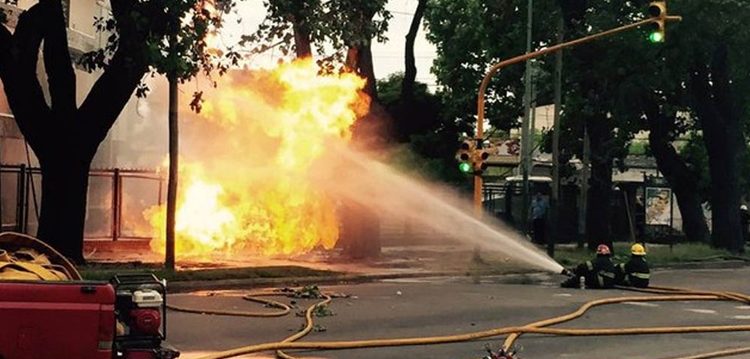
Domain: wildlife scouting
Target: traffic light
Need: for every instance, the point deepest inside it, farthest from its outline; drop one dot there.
(481, 164)
(464, 156)
(472, 157)
(658, 10)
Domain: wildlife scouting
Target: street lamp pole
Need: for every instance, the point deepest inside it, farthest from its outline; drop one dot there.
(556, 144)
(526, 132)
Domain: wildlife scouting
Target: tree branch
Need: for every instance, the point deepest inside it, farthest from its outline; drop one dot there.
(676, 171)
(410, 70)
(19, 77)
(112, 91)
(6, 66)
(60, 74)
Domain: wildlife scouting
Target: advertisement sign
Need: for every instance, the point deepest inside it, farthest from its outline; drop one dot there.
(658, 206)
(506, 151)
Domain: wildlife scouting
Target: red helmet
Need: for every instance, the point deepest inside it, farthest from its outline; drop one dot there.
(603, 249)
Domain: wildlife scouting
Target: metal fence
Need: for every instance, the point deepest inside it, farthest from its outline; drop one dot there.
(117, 201)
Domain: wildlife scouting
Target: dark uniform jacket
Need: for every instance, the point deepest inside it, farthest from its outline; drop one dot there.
(633, 273)
(599, 272)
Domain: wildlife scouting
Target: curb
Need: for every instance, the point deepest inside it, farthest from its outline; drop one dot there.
(225, 284)
(533, 277)
(728, 264)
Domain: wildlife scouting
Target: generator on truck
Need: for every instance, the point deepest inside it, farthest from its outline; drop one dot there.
(49, 311)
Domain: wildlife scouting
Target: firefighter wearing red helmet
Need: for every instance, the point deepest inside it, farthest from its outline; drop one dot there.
(597, 273)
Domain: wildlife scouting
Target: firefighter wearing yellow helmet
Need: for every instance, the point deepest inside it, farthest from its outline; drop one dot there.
(634, 272)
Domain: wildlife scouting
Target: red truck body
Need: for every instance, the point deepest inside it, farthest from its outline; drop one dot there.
(49, 320)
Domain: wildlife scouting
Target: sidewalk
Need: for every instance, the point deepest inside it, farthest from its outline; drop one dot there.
(395, 262)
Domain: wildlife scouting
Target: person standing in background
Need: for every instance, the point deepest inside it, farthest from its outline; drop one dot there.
(539, 209)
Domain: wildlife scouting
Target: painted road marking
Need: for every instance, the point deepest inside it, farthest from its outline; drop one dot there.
(743, 317)
(642, 304)
(702, 311)
(743, 307)
(562, 295)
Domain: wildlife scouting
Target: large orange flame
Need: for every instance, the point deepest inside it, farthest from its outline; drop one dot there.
(244, 177)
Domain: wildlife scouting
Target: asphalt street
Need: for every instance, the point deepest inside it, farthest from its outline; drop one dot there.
(446, 306)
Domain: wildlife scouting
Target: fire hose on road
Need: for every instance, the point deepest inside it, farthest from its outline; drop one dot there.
(661, 294)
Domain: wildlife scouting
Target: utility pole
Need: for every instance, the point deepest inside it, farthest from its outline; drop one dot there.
(552, 237)
(525, 137)
(584, 197)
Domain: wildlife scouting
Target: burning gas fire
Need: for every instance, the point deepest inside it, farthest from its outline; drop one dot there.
(244, 177)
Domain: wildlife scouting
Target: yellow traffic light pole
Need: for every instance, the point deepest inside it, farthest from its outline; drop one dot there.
(525, 57)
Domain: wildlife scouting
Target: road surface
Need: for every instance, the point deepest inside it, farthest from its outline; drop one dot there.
(446, 306)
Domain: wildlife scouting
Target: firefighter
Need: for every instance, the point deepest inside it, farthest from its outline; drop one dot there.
(634, 272)
(597, 273)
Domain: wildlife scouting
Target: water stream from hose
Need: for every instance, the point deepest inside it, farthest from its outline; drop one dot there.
(357, 177)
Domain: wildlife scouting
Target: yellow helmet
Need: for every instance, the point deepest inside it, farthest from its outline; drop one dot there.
(638, 250)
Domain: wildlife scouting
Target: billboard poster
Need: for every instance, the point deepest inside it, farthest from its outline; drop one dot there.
(658, 206)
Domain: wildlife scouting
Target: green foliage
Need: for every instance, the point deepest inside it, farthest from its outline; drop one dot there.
(276, 30)
(407, 158)
(696, 156)
(356, 22)
(175, 44)
(322, 311)
(471, 35)
(333, 26)
(638, 148)
(307, 292)
(430, 140)
(420, 116)
(660, 255)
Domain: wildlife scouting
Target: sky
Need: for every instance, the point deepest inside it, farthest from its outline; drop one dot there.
(388, 57)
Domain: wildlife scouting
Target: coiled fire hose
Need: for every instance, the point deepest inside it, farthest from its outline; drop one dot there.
(539, 327)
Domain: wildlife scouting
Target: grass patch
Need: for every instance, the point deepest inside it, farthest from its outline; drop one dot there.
(107, 271)
(657, 254)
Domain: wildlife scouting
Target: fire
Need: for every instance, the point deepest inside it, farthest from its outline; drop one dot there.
(245, 169)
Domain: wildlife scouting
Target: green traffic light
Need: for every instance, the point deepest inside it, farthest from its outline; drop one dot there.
(465, 167)
(656, 37)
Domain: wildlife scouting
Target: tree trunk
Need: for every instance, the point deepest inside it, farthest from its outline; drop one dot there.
(301, 40)
(679, 176)
(600, 190)
(410, 68)
(365, 68)
(63, 212)
(725, 188)
(64, 137)
(361, 237)
(360, 234)
(169, 261)
(722, 133)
